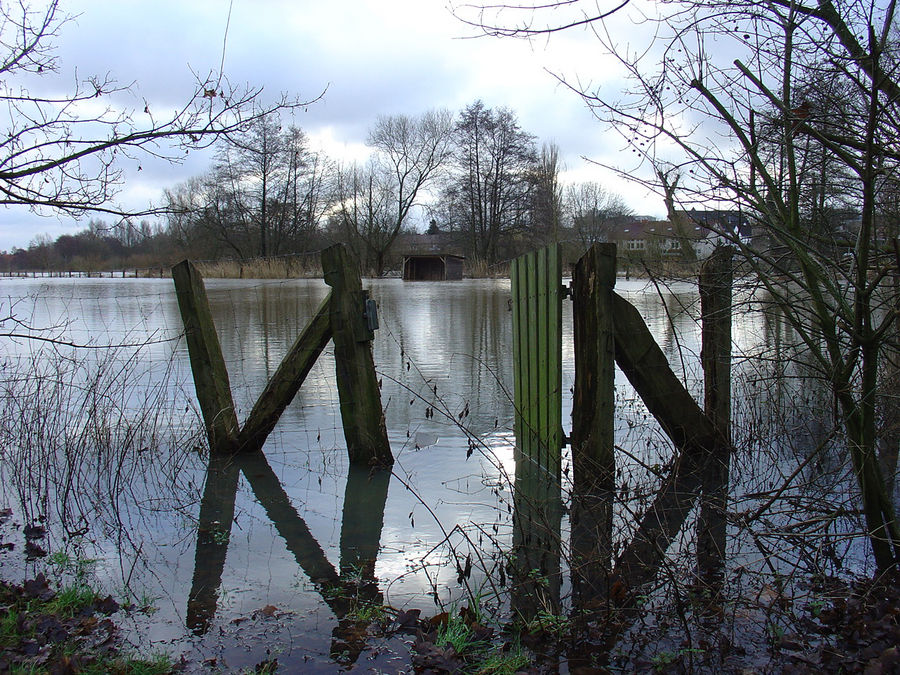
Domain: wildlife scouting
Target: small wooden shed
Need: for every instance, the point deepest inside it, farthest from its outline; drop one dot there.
(434, 267)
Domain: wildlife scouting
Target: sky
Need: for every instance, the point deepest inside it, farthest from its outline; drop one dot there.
(359, 58)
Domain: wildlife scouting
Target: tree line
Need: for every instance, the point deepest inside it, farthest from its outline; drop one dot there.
(476, 176)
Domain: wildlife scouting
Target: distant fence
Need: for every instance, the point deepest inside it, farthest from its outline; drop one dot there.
(130, 272)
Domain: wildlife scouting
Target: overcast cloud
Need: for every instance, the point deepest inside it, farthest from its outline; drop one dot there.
(368, 57)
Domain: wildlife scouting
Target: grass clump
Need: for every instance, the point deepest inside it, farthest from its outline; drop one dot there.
(44, 631)
(462, 643)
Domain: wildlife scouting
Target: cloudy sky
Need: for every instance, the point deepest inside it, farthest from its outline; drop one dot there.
(369, 57)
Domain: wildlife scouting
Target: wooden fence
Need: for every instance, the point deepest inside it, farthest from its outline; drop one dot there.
(609, 331)
(346, 316)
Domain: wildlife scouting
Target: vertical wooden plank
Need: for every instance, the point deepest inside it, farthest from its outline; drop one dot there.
(542, 360)
(554, 347)
(716, 278)
(361, 412)
(207, 362)
(518, 354)
(533, 393)
(537, 337)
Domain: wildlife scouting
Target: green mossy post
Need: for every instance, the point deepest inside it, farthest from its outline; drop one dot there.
(287, 380)
(361, 412)
(535, 284)
(593, 422)
(716, 278)
(207, 363)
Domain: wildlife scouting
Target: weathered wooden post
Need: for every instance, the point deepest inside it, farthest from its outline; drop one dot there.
(593, 423)
(207, 362)
(716, 279)
(593, 410)
(361, 412)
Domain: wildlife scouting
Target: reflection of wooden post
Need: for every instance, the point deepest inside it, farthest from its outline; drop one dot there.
(207, 363)
(593, 428)
(363, 519)
(361, 413)
(715, 302)
(213, 532)
(537, 515)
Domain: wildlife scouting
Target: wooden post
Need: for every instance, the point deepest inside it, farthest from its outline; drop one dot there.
(593, 423)
(593, 410)
(286, 381)
(207, 362)
(695, 437)
(716, 280)
(361, 412)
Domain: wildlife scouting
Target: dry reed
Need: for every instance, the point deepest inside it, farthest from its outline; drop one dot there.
(288, 267)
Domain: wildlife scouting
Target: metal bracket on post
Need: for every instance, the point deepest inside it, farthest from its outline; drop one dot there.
(370, 314)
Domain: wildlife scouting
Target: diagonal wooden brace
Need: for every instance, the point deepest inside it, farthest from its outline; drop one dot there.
(287, 380)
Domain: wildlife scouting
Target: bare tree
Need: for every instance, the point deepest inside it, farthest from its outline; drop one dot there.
(490, 186)
(56, 154)
(365, 201)
(593, 210)
(773, 108)
(265, 195)
(547, 194)
(410, 152)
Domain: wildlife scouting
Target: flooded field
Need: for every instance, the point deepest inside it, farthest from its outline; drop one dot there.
(278, 557)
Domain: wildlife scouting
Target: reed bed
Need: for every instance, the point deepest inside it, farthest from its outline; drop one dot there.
(288, 267)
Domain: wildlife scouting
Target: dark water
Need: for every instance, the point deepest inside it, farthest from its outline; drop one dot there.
(257, 559)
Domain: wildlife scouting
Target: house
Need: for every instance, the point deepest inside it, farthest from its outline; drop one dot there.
(433, 267)
(431, 257)
(657, 238)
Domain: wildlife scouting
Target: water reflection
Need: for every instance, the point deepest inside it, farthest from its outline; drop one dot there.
(346, 591)
(213, 533)
(537, 539)
(444, 348)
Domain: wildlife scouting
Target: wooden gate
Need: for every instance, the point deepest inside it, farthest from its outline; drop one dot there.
(537, 354)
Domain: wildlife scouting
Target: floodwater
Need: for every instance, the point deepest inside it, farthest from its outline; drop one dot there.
(270, 558)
